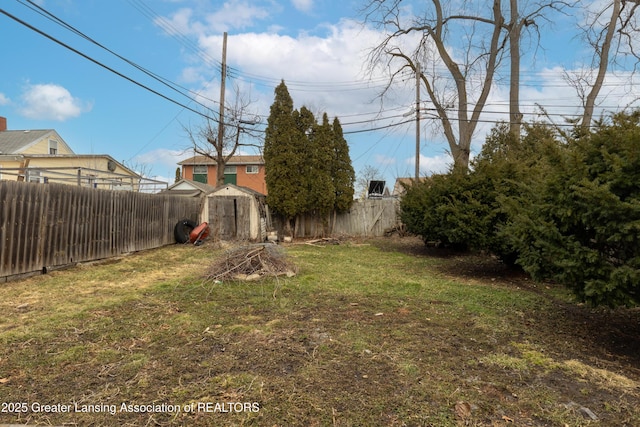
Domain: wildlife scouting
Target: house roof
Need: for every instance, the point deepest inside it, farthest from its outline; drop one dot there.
(16, 141)
(234, 160)
(60, 157)
(197, 186)
(401, 183)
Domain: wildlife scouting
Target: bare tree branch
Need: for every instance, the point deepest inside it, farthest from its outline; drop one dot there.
(612, 33)
(471, 65)
(205, 138)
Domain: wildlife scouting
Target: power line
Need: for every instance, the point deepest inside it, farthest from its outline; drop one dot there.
(106, 67)
(69, 27)
(311, 86)
(174, 32)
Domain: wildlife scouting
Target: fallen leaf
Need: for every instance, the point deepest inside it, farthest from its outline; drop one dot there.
(4, 380)
(463, 410)
(507, 419)
(379, 314)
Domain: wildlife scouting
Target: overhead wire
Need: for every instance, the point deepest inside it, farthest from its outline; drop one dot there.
(95, 61)
(236, 73)
(166, 82)
(175, 33)
(339, 86)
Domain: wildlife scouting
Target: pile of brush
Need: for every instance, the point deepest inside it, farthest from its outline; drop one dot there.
(251, 263)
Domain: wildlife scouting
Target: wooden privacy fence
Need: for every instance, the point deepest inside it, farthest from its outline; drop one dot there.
(366, 218)
(43, 226)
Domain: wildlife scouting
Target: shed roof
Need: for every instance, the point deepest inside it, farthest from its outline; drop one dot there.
(198, 186)
(247, 190)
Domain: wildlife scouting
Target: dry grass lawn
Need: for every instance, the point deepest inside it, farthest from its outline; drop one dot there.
(382, 332)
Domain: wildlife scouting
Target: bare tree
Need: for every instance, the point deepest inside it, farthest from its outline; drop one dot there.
(368, 173)
(471, 65)
(612, 33)
(236, 133)
(141, 168)
(474, 58)
(530, 19)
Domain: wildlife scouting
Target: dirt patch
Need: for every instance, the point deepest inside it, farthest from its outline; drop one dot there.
(600, 337)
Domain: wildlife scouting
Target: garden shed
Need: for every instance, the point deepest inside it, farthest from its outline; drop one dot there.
(236, 213)
(189, 188)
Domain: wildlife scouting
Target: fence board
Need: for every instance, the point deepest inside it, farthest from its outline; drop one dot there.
(44, 226)
(366, 218)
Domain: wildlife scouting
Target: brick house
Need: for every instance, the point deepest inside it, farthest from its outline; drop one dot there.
(242, 171)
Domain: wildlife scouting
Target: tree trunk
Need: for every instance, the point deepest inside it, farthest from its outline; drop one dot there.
(461, 148)
(603, 63)
(515, 32)
(220, 165)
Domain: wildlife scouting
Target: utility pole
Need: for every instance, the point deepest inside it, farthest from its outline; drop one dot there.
(222, 90)
(417, 120)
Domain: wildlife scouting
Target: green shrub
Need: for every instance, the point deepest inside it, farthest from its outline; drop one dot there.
(580, 225)
(569, 212)
(444, 209)
(466, 210)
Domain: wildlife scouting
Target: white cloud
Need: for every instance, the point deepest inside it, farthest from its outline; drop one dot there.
(234, 14)
(163, 158)
(179, 23)
(325, 69)
(3, 99)
(51, 102)
(303, 5)
(381, 160)
(431, 165)
(334, 60)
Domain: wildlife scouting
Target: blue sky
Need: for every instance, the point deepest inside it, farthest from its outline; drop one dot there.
(318, 47)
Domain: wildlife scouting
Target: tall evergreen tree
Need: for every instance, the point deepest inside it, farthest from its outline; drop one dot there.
(284, 158)
(342, 172)
(308, 168)
(320, 159)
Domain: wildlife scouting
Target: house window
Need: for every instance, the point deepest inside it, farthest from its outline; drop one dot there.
(252, 169)
(53, 146)
(200, 173)
(230, 175)
(33, 175)
(91, 180)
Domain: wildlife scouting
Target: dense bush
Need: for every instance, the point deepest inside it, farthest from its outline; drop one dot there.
(465, 210)
(443, 209)
(580, 225)
(568, 212)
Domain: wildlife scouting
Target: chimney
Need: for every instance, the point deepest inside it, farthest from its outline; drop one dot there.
(3, 123)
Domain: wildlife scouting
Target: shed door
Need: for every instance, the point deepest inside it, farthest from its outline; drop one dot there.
(229, 217)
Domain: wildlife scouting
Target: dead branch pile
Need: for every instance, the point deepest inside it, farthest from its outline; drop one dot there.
(323, 241)
(251, 263)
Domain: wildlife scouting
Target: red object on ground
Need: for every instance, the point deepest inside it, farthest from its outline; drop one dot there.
(199, 233)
